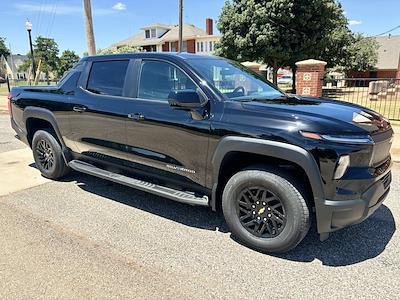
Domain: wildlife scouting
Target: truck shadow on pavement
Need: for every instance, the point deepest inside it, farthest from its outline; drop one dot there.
(345, 247)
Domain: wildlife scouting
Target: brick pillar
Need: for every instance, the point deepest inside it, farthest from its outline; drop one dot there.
(309, 77)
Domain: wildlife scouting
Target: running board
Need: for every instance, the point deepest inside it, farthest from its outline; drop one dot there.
(152, 188)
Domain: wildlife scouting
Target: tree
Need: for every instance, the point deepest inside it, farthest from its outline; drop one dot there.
(67, 60)
(362, 54)
(3, 48)
(281, 32)
(46, 51)
(124, 49)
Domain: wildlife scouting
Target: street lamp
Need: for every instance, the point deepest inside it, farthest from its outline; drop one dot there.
(28, 26)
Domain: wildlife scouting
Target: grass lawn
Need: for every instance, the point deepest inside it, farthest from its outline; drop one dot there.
(388, 106)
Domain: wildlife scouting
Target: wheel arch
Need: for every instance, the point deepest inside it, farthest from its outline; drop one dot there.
(43, 116)
(272, 151)
(36, 118)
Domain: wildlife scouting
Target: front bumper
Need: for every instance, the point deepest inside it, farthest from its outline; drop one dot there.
(336, 214)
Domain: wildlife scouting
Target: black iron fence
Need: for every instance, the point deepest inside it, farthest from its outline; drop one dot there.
(379, 94)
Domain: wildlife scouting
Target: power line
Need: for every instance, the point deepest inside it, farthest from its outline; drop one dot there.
(386, 32)
(52, 17)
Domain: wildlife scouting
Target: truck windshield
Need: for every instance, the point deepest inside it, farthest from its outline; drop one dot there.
(233, 80)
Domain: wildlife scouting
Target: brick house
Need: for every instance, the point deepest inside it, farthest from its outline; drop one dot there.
(388, 59)
(164, 38)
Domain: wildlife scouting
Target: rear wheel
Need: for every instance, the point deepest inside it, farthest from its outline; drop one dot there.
(265, 210)
(48, 156)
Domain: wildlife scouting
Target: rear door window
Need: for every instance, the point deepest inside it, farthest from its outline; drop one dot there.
(107, 77)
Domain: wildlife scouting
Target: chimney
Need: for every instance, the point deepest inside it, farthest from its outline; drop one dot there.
(209, 26)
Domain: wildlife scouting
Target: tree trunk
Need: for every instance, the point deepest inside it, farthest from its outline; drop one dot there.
(275, 69)
(47, 78)
(294, 70)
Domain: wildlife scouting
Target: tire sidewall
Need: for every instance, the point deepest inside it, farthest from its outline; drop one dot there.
(283, 190)
(59, 163)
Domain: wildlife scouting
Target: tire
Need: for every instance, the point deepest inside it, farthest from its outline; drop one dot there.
(48, 156)
(281, 213)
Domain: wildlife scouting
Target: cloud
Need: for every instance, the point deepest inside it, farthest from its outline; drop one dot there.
(355, 22)
(119, 6)
(61, 9)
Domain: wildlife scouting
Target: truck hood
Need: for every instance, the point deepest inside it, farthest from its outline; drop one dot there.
(324, 115)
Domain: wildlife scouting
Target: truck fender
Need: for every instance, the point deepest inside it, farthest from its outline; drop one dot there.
(274, 149)
(47, 115)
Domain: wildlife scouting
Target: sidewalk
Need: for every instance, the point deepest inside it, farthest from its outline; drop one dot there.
(395, 147)
(3, 104)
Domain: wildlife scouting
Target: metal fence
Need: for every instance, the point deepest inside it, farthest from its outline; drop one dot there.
(379, 94)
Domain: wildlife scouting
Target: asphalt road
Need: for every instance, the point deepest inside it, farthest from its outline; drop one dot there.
(86, 238)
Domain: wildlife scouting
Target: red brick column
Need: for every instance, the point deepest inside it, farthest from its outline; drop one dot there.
(309, 77)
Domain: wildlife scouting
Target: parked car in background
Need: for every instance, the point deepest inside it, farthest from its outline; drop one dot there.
(285, 79)
(2, 80)
(207, 131)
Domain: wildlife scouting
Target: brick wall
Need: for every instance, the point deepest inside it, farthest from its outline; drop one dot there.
(373, 74)
(165, 47)
(191, 46)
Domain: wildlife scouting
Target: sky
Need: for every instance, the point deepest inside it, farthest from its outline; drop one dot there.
(116, 20)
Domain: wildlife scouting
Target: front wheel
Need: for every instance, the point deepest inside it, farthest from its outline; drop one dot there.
(265, 210)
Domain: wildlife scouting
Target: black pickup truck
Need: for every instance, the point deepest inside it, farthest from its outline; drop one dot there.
(206, 131)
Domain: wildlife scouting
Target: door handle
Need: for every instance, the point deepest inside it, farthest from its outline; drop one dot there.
(136, 116)
(79, 108)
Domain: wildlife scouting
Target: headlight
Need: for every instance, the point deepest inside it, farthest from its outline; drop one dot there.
(345, 139)
(342, 165)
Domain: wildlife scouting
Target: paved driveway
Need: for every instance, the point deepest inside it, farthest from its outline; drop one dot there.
(83, 237)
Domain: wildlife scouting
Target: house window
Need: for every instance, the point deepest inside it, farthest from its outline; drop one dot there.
(173, 47)
(198, 46)
(211, 46)
(184, 46)
(153, 33)
(147, 34)
(202, 46)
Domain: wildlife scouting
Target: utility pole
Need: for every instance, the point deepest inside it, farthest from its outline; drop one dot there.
(87, 13)
(180, 25)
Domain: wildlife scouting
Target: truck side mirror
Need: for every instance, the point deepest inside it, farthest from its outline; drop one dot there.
(184, 99)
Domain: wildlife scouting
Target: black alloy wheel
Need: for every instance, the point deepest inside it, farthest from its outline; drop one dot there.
(45, 155)
(261, 212)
